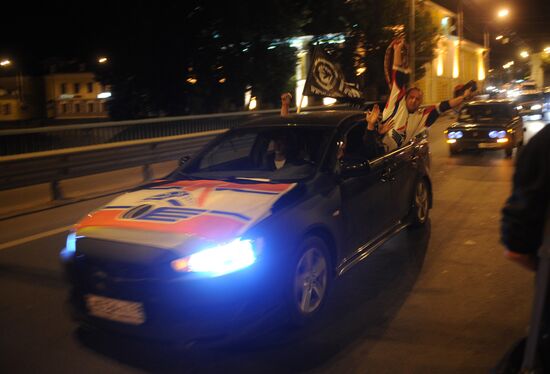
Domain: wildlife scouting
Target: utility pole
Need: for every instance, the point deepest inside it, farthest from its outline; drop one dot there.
(412, 57)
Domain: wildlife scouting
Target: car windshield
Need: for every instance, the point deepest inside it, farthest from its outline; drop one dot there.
(485, 113)
(529, 97)
(262, 154)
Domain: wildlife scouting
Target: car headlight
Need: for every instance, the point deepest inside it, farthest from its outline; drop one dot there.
(519, 107)
(497, 134)
(536, 107)
(70, 246)
(222, 259)
(455, 134)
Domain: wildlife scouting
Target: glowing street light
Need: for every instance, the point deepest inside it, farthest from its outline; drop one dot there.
(547, 50)
(499, 37)
(503, 13)
(5, 63)
(524, 54)
(508, 64)
(102, 60)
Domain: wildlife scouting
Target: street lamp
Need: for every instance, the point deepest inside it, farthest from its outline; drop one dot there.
(524, 54)
(499, 37)
(503, 13)
(5, 63)
(102, 60)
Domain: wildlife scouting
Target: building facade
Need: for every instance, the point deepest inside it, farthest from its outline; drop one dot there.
(75, 96)
(454, 64)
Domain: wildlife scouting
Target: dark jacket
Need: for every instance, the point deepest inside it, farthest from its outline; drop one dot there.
(524, 213)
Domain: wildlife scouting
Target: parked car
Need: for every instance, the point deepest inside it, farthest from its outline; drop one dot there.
(488, 124)
(229, 240)
(530, 104)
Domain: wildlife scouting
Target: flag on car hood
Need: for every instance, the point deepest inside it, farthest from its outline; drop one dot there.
(325, 78)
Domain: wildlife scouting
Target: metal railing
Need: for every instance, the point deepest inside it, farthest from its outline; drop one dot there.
(41, 139)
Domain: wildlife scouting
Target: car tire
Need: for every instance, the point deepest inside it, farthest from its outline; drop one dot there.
(309, 281)
(420, 210)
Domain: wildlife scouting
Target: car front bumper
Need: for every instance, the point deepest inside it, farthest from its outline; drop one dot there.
(182, 309)
(480, 144)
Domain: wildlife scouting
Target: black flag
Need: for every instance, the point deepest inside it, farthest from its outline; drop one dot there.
(325, 78)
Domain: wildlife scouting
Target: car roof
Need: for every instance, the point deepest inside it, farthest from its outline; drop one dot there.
(327, 118)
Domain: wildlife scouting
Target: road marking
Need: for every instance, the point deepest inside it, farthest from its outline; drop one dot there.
(31, 238)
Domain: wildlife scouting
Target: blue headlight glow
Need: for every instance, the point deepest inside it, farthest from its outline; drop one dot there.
(70, 246)
(497, 134)
(220, 260)
(455, 134)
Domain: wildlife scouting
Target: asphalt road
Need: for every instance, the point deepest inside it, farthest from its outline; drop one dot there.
(436, 300)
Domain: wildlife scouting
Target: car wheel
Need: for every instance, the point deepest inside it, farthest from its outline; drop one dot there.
(310, 281)
(421, 203)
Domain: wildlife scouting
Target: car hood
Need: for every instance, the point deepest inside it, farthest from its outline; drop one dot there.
(169, 213)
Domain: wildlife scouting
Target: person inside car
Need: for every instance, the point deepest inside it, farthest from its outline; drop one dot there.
(403, 105)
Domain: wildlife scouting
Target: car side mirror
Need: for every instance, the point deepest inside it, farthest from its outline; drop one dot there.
(184, 159)
(354, 167)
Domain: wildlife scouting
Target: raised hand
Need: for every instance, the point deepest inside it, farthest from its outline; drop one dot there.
(386, 127)
(372, 116)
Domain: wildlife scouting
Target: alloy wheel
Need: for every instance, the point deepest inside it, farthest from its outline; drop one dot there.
(310, 280)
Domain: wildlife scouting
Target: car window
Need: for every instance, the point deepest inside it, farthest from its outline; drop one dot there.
(237, 147)
(485, 113)
(268, 153)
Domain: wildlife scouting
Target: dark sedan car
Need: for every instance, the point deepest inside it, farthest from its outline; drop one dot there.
(529, 104)
(489, 124)
(255, 227)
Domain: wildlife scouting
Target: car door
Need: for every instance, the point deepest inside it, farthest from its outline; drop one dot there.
(365, 204)
(401, 169)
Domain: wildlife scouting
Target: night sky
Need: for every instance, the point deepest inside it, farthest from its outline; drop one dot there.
(74, 29)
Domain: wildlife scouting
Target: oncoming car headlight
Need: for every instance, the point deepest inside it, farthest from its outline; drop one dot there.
(455, 134)
(222, 259)
(497, 134)
(536, 107)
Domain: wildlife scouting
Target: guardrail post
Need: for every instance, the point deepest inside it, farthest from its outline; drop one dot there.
(147, 173)
(57, 193)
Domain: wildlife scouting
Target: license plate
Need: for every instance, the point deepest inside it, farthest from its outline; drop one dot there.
(488, 145)
(115, 310)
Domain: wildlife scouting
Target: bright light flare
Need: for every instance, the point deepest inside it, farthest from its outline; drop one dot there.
(102, 60)
(502, 140)
(524, 54)
(329, 101)
(503, 13)
(499, 37)
(220, 260)
(253, 103)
